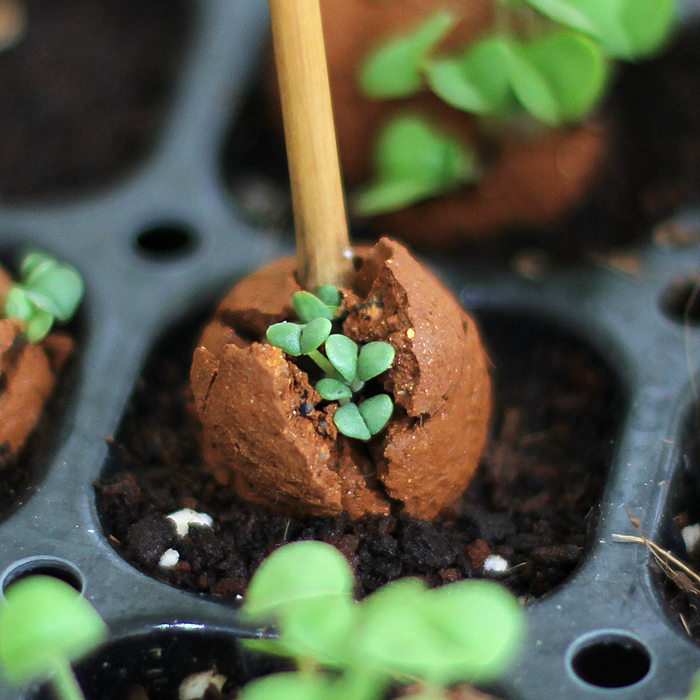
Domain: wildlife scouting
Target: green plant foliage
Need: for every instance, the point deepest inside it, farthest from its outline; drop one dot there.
(314, 334)
(333, 390)
(414, 161)
(279, 581)
(478, 81)
(401, 633)
(45, 624)
(374, 358)
(330, 295)
(558, 78)
(627, 29)
(555, 66)
(286, 336)
(48, 291)
(376, 412)
(308, 307)
(350, 422)
(343, 352)
(289, 686)
(345, 365)
(394, 70)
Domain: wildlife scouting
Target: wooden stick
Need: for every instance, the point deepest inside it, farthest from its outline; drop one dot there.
(323, 247)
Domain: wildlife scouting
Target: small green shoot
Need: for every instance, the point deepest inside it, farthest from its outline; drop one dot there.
(414, 161)
(45, 625)
(48, 291)
(345, 365)
(404, 632)
(394, 70)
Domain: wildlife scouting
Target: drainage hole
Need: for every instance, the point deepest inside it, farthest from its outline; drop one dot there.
(48, 566)
(681, 302)
(166, 242)
(612, 661)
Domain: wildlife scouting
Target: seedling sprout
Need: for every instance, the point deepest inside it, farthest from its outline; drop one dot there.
(45, 625)
(346, 366)
(48, 291)
(402, 633)
(550, 59)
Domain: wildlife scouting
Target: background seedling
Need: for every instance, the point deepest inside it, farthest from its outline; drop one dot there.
(548, 58)
(346, 366)
(45, 625)
(48, 291)
(402, 633)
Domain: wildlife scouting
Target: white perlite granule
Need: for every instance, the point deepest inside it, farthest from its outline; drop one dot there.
(169, 558)
(496, 564)
(186, 517)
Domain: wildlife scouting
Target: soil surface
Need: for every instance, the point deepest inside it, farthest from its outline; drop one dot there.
(531, 504)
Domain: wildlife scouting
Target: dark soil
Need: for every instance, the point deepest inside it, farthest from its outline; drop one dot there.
(532, 501)
(84, 92)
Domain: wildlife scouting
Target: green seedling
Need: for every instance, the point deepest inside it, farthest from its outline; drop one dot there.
(345, 365)
(558, 78)
(45, 625)
(414, 161)
(396, 70)
(48, 291)
(550, 59)
(402, 633)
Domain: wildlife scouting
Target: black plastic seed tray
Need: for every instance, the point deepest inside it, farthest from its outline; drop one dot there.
(160, 243)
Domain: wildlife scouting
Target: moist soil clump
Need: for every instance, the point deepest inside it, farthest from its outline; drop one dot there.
(530, 504)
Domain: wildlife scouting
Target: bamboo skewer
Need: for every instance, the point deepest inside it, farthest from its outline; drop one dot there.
(324, 254)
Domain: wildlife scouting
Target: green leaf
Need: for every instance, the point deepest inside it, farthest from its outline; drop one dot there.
(286, 336)
(288, 686)
(55, 288)
(43, 622)
(647, 26)
(314, 334)
(309, 307)
(330, 295)
(342, 352)
(333, 390)
(396, 594)
(627, 29)
(464, 631)
(411, 148)
(376, 412)
(296, 571)
(319, 627)
(383, 197)
(38, 326)
(393, 70)
(33, 260)
(350, 422)
(413, 161)
(18, 305)
(478, 82)
(568, 12)
(483, 624)
(374, 358)
(558, 78)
